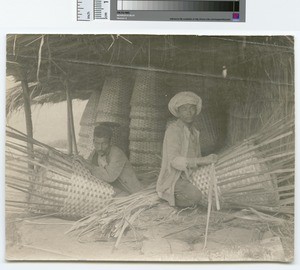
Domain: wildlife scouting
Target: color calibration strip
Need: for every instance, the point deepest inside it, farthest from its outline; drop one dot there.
(178, 5)
(162, 10)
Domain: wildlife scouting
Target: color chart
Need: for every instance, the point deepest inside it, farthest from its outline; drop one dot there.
(162, 10)
(178, 5)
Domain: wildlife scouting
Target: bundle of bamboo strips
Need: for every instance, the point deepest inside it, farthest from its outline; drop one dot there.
(53, 182)
(117, 216)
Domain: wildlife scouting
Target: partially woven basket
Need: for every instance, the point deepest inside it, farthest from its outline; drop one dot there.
(148, 90)
(246, 170)
(114, 101)
(69, 196)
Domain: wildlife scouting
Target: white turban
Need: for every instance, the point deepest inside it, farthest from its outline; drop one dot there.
(183, 98)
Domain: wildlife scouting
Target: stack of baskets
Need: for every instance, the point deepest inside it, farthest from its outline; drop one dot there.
(114, 108)
(147, 121)
(87, 125)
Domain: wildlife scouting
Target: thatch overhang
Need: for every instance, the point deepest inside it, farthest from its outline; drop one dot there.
(83, 61)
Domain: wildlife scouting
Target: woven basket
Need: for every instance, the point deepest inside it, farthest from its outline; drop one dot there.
(146, 112)
(113, 119)
(69, 197)
(146, 147)
(143, 135)
(114, 101)
(235, 175)
(148, 124)
(148, 90)
(89, 114)
(144, 159)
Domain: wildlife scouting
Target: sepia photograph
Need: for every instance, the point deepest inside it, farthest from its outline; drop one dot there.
(149, 148)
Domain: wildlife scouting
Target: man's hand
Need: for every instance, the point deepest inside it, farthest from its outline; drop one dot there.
(213, 158)
(80, 159)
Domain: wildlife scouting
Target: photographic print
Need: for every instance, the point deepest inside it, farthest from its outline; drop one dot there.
(149, 148)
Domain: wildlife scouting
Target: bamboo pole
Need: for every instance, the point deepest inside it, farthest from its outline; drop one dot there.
(70, 144)
(130, 67)
(28, 119)
(71, 128)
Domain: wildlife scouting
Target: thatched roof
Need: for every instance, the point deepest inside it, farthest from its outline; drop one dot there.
(49, 61)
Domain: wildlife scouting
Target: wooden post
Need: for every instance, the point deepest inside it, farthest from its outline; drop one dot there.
(70, 143)
(27, 109)
(71, 127)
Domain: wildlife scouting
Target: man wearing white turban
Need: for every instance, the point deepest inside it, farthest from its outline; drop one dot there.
(181, 153)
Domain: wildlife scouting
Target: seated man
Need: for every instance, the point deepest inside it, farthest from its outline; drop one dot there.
(181, 153)
(109, 163)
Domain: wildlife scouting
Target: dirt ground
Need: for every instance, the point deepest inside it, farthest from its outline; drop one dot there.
(159, 235)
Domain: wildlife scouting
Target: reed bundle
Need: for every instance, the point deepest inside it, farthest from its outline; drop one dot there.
(117, 216)
(53, 182)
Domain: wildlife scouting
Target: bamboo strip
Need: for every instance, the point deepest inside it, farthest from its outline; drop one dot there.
(35, 183)
(30, 193)
(24, 202)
